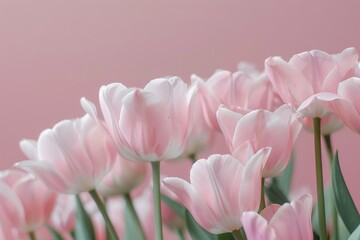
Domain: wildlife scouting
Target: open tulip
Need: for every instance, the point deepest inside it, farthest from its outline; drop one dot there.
(220, 189)
(309, 73)
(289, 221)
(72, 157)
(257, 130)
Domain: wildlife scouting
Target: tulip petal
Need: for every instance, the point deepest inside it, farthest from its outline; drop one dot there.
(256, 227)
(29, 148)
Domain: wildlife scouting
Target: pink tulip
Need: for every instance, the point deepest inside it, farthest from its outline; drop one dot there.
(26, 200)
(71, 157)
(289, 221)
(201, 135)
(149, 124)
(258, 129)
(241, 91)
(346, 103)
(63, 216)
(122, 178)
(220, 189)
(309, 73)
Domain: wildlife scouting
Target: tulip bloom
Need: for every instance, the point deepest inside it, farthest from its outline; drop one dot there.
(63, 216)
(258, 129)
(72, 157)
(150, 124)
(289, 221)
(346, 103)
(122, 178)
(309, 73)
(241, 91)
(220, 189)
(27, 202)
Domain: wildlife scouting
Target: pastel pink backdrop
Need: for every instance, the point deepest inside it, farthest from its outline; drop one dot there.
(54, 52)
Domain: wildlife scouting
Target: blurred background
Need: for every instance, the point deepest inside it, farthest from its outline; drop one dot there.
(54, 52)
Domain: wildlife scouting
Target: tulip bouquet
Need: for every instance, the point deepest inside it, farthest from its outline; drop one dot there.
(79, 179)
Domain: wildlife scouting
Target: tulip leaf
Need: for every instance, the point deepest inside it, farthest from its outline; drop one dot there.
(355, 235)
(344, 203)
(275, 194)
(285, 178)
(195, 230)
(83, 228)
(328, 211)
(132, 228)
(55, 234)
(175, 206)
(225, 236)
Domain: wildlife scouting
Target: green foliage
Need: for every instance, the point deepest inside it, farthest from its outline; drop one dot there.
(344, 203)
(84, 228)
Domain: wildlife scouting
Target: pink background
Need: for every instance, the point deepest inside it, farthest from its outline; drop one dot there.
(54, 52)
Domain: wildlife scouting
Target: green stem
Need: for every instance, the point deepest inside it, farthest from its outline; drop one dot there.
(237, 234)
(192, 157)
(180, 234)
(262, 199)
(319, 178)
(134, 216)
(32, 235)
(157, 206)
(329, 148)
(101, 206)
(335, 231)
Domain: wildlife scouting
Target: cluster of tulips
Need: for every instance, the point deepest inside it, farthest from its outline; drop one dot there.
(80, 176)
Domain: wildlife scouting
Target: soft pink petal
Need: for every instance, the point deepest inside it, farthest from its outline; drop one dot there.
(288, 81)
(29, 148)
(250, 190)
(293, 221)
(256, 227)
(227, 121)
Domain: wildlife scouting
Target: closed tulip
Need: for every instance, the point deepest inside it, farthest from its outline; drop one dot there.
(220, 189)
(150, 124)
(259, 129)
(289, 221)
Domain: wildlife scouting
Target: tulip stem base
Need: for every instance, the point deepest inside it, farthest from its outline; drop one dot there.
(319, 178)
(262, 199)
(237, 235)
(101, 206)
(155, 166)
(180, 234)
(335, 231)
(32, 235)
(134, 216)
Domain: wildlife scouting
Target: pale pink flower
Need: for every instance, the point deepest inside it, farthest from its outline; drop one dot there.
(201, 135)
(258, 129)
(241, 91)
(220, 189)
(149, 124)
(346, 103)
(71, 157)
(309, 73)
(27, 202)
(63, 216)
(122, 178)
(289, 221)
